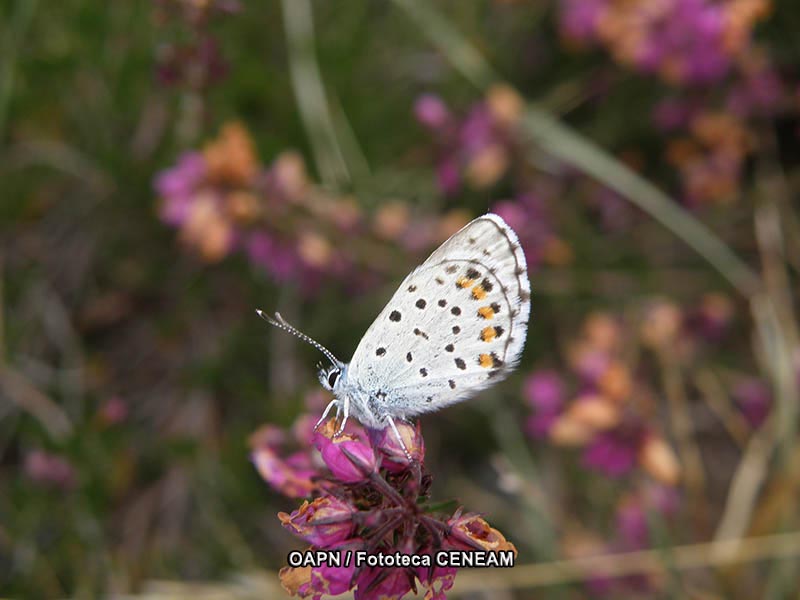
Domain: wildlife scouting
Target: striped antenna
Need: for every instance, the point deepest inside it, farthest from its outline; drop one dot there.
(281, 323)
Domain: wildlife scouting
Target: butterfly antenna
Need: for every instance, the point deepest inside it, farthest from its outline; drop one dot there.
(281, 323)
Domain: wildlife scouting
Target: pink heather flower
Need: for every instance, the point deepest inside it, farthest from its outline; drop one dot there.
(279, 259)
(292, 476)
(437, 581)
(478, 130)
(632, 525)
(49, 469)
(307, 582)
(632, 514)
(475, 147)
(333, 580)
(539, 425)
(349, 458)
(449, 176)
(689, 38)
(471, 532)
(579, 19)
(754, 399)
(303, 429)
(591, 365)
(178, 185)
(383, 583)
(758, 92)
(684, 41)
(393, 457)
(382, 513)
(431, 111)
(614, 453)
(544, 390)
(633, 533)
(113, 411)
(323, 523)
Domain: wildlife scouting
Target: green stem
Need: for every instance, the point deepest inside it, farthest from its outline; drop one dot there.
(310, 92)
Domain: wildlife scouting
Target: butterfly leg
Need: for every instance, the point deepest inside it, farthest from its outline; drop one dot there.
(399, 439)
(328, 408)
(346, 411)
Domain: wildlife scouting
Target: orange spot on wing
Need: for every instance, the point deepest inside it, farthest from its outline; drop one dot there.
(486, 360)
(487, 312)
(478, 292)
(488, 334)
(464, 282)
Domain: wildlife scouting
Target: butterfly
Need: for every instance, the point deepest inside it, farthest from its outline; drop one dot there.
(456, 325)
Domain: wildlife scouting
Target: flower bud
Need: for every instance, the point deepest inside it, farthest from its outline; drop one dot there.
(349, 459)
(325, 522)
(50, 470)
(566, 431)
(487, 165)
(431, 111)
(291, 476)
(658, 459)
(544, 391)
(505, 104)
(471, 531)
(393, 457)
(382, 583)
(616, 382)
(613, 453)
(595, 411)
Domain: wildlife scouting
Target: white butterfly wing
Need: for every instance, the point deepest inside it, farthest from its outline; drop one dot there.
(456, 324)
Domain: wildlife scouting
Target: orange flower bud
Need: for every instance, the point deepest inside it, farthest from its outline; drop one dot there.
(657, 458)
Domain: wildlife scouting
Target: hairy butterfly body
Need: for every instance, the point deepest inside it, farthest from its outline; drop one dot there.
(456, 325)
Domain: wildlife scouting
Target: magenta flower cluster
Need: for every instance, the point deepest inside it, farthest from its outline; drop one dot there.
(368, 496)
(222, 201)
(684, 41)
(195, 62)
(475, 149)
(636, 513)
(606, 407)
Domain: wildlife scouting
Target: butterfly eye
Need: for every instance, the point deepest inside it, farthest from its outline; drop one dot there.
(332, 377)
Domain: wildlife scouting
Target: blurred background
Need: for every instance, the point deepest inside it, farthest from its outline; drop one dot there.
(168, 166)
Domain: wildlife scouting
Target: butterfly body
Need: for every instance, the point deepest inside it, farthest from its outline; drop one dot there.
(456, 325)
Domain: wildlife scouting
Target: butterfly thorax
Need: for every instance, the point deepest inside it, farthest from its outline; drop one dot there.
(352, 398)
